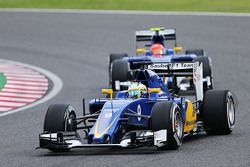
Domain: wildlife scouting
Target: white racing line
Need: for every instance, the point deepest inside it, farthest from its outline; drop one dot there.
(57, 86)
(123, 12)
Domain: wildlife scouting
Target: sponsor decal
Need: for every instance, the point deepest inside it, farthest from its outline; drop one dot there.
(188, 123)
(198, 80)
(108, 115)
(160, 137)
(183, 102)
(139, 112)
(170, 66)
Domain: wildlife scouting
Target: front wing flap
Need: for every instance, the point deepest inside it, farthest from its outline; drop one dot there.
(68, 140)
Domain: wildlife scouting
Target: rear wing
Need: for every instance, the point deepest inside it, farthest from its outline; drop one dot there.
(146, 35)
(181, 69)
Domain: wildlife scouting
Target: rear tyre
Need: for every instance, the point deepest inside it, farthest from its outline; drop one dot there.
(167, 116)
(112, 58)
(207, 71)
(119, 72)
(60, 118)
(218, 112)
(197, 52)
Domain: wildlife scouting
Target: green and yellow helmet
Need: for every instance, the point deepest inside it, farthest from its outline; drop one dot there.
(136, 89)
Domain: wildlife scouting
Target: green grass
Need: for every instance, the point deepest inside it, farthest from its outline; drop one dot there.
(2, 81)
(154, 5)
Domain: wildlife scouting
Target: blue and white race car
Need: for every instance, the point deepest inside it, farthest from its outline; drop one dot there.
(146, 114)
(122, 66)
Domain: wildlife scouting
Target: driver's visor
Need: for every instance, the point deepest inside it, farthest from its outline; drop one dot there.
(133, 93)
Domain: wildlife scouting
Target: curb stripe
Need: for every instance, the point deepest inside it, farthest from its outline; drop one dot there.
(20, 73)
(28, 93)
(31, 98)
(16, 93)
(13, 101)
(3, 109)
(23, 91)
(25, 76)
(28, 85)
(20, 95)
(25, 87)
(11, 107)
(20, 70)
(11, 104)
(27, 80)
(17, 99)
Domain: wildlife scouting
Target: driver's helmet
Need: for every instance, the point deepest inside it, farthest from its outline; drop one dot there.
(157, 50)
(136, 89)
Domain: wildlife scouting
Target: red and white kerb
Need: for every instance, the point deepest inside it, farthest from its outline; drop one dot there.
(23, 86)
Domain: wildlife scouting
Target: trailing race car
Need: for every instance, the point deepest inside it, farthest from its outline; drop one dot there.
(147, 113)
(122, 66)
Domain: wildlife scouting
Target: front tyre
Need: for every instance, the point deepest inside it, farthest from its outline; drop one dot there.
(167, 116)
(60, 118)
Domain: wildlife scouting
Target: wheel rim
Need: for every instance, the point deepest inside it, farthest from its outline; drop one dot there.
(230, 112)
(177, 125)
(70, 123)
(69, 120)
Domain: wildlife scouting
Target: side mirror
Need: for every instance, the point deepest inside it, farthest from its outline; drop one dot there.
(141, 50)
(108, 91)
(178, 49)
(153, 90)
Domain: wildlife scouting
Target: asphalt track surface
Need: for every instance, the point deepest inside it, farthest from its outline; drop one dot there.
(76, 48)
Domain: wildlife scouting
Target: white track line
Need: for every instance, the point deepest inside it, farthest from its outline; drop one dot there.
(124, 12)
(55, 89)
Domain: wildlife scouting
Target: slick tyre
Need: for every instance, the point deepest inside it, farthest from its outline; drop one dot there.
(119, 72)
(112, 58)
(218, 112)
(167, 116)
(197, 52)
(60, 118)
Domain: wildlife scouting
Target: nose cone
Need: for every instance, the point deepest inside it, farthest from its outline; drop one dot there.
(102, 126)
(107, 122)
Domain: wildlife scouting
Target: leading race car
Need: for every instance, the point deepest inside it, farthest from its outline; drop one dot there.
(147, 113)
(122, 66)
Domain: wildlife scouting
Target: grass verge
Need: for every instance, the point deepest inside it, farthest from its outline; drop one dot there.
(2, 81)
(242, 6)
